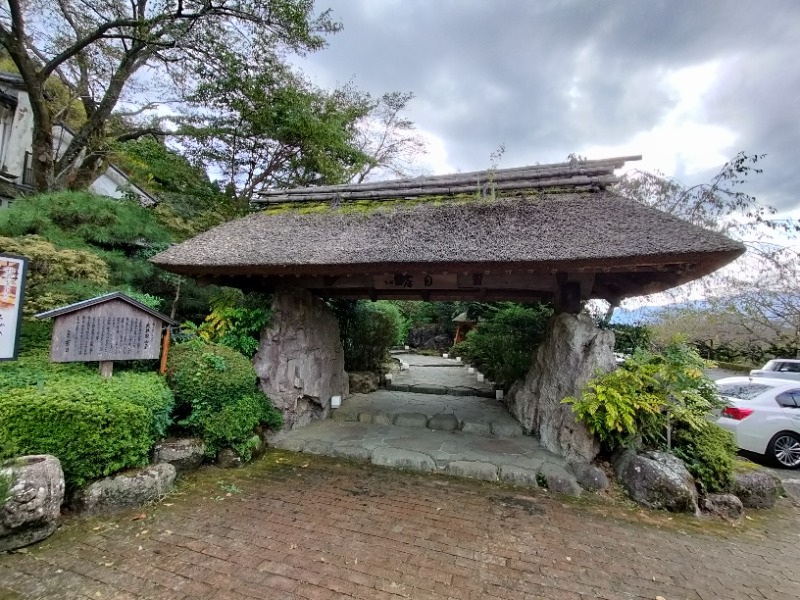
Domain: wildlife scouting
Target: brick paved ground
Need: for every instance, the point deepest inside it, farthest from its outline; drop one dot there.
(335, 530)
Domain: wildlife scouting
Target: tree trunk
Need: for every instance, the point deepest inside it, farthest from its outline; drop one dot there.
(42, 159)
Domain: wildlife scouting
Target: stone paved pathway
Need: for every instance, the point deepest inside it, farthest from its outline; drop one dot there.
(297, 527)
(431, 374)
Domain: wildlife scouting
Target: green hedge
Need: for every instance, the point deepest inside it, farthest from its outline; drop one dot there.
(368, 330)
(95, 427)
(215, 391)
(205, 377)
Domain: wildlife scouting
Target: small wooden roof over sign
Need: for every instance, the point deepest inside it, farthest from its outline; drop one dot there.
(547, 232)
(56, 312)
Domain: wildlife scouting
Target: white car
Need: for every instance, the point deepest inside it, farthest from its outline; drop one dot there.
(764, 416)
(783, 368)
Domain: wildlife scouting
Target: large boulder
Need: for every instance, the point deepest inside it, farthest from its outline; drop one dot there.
(33, 506)
(300, 363)
(185, 454)
(574, 350)
(429, 337)
(757, 488)
(657, 480)
(128, 489)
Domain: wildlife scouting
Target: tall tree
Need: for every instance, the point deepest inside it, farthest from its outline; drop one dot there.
(134, 53)
(263, 125)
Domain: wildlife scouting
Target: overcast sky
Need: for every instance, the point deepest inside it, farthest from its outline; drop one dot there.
(686, 83)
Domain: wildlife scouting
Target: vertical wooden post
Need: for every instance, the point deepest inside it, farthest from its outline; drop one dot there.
(106, 368)
(164, 351)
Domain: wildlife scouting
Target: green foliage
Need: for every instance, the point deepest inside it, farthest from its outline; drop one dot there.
(709, 454)
(83, 220)
(189, 202)
(56, 276)
(368, 330)
(215, 390)
(628, 338)
(262, 125)
(621, 405)
(648, 393)
(234, 424)
(80, 245)
(94, 426)
(502, 345)
(236, 321)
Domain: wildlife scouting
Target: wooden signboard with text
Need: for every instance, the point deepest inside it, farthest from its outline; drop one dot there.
(106, 329)
(114, 330)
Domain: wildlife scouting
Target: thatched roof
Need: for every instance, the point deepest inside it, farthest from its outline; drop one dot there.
(614, 246)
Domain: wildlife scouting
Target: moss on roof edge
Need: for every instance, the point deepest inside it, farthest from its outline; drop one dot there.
(369, 206)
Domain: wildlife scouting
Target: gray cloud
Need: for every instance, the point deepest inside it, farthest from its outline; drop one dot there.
(549, 78)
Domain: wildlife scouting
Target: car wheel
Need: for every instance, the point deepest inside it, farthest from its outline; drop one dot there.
(785, 450)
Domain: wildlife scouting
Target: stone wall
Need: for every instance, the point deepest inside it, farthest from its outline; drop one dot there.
(300, 363)
(572, 351)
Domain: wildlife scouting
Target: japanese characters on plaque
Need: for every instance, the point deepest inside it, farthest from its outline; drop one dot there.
(12, 287)
(410, 281)
(114, 330)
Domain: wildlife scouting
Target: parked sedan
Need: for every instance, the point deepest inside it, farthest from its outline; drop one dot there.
(783, 368)
(764, 416)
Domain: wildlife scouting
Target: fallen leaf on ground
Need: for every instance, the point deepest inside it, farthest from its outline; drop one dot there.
(139, 517)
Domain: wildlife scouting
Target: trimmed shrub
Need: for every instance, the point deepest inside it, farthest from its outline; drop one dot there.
(205, 377)
(503, 344)
(368, 330)
(234, 424)
(215, 390)
(709, 454)
(82, 422)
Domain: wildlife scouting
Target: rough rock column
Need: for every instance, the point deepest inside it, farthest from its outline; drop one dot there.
(573, 350)
(300, 362)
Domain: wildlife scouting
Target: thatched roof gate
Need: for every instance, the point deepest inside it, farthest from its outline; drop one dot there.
(552, 232)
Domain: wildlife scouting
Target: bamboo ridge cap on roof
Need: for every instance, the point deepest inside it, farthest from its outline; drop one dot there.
(450, 190)
(576, 172)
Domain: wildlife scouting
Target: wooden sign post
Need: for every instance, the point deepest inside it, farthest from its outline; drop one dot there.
(107, 329)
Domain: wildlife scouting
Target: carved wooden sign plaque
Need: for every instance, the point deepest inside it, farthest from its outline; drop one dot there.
(109, 328)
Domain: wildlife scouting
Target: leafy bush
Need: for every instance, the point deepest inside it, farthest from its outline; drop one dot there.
(503, 344)
(236, 321)
(648, 393)
(368, 330)
(215, 388)
(57, 276)
(620, 406)
(234, 424)
(95, 427)
(709, 454)
(205, 377)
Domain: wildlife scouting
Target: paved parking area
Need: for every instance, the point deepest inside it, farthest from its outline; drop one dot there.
(293, 526)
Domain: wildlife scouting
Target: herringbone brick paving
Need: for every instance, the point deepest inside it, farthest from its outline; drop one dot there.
(294, 527)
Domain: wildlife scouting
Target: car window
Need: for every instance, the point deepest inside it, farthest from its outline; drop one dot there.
(743, 391)
(772, 365)
(790, 399)
(789, 367)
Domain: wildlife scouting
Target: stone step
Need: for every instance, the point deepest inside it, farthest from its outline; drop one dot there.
(439, 390)
(519, 461)
(505, 427)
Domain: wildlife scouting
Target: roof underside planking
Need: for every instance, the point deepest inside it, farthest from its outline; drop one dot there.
(548, 232)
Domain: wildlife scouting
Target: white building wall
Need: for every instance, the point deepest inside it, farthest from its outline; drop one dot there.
(20, 138)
